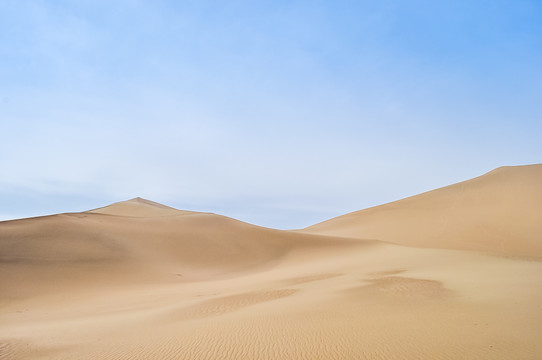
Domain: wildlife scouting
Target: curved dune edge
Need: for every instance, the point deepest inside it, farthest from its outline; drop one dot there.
(138, 207)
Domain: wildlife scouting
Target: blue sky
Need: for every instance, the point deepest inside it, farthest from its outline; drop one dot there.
(279, 113)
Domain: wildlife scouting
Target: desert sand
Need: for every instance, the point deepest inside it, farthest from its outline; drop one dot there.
(454, 273)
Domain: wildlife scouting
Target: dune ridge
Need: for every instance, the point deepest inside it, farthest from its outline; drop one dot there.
(139, 207)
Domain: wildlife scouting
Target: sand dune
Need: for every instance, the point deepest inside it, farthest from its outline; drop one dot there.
(499, 212)
(138, 241)
(140, 280)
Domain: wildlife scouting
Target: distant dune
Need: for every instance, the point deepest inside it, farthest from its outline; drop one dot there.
(454, 273)
(140, 239)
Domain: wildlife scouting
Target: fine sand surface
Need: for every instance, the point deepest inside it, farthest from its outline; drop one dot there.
(499, 212)
(454, 273)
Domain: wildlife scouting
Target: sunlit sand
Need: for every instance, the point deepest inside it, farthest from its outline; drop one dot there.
(454, 273)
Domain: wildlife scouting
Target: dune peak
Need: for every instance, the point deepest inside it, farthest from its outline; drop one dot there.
(138, 207)
(140, 200)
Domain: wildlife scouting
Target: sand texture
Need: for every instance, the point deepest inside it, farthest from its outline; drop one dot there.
(454, 273)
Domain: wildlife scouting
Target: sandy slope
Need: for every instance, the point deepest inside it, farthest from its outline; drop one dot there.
(137, 241)
(499, 212)
(139, 280)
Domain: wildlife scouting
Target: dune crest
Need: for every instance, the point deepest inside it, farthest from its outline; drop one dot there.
(138, 207)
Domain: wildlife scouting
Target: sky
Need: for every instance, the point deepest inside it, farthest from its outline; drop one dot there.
(277, 113)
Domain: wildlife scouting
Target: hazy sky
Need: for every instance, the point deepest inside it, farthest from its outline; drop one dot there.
(279, 113)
